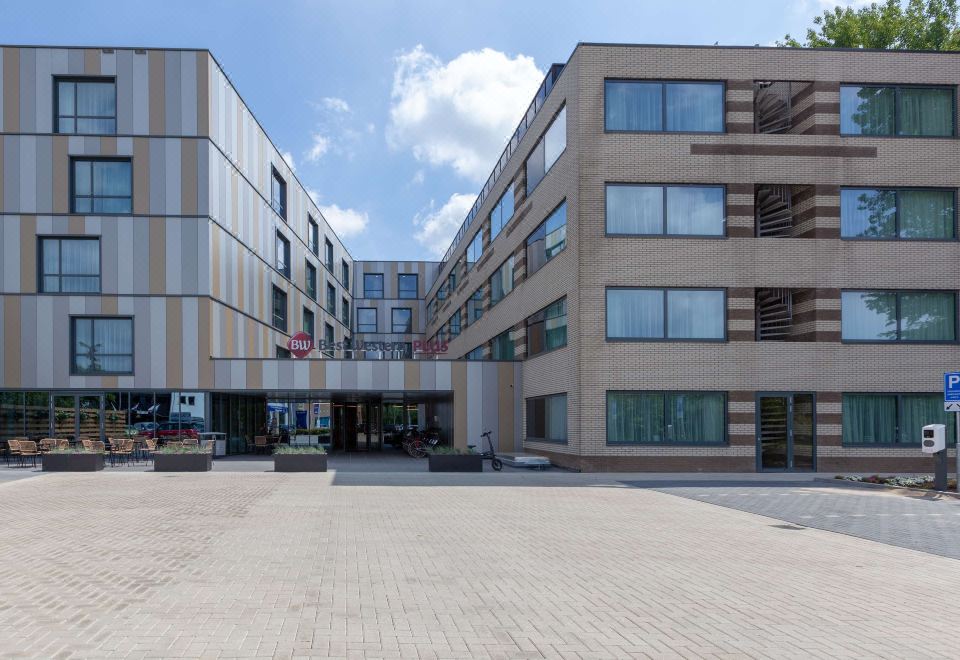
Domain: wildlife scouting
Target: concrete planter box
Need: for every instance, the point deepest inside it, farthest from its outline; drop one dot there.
(299, 462)
(455, 463)
(72, 462)
(182, 462)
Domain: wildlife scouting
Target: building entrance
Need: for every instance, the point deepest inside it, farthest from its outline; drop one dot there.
(786, 436)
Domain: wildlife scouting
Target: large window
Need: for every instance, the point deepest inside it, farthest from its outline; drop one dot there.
(474, 250)
(890, 110)
(475, 306)
(311, 272)
(86, 106)
(101, 345)
(547, 329)
(69, 265)
(308, 324)
(671, 314)
(547, 418)
(283, 255)
(366, 319)
(345, 311)
(102, 185)
(475, 354)
(548, 240)
(652, 106)
(453, 325)
(501, 282)
(501, 346)
(670, 210)
(910, 316)
(332, 299)
(501, 213)
(345, 274)
(328, 254)
(313, 235)
(892, 419)
(278, 193)
(328, 338)
(401, 320)
(897, 213)
(408, 286)
(279, 309)
(373, 285)
(547, 151)
(696, 418)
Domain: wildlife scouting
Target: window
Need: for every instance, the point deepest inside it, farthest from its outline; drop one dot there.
(311, 280)
(454, 324)
(279, 309)
(86, 106)
(501, 346)
(548, 240)
(408, 285)
(547, 151)
(345, 274)
(313, 235)
(283, 255)
(910, 316)
(366, 319)
(283, 353)
(187, 400)
(475, 354)
(328, 254)
(474, 250)
(308, 325)
(345, 311)
(501, 213)
(69, 265)
(666, 314)
(328, 339)
(501, 282)
(332, 299)
(452, 278)
(547, 418)
(547, 329)
(278, 193)
(401, 320)
(696, 418)
(442, 292)
(101, 345)
(475, 306)
(892, 419)
(665, 210)
(889, 110)
(102, 185)
(373, 285)
(651, 106)
(432, 310)
(897, 213)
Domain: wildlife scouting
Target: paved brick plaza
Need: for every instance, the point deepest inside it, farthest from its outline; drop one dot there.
(247, 564)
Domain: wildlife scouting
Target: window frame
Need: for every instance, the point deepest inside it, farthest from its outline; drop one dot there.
(328, 258)
(896, 114)
(345, 274)
(382, 284)
(308, 313)
(275, 175)
(666, 312)
(530, 322)
(477, 240)
(330, 304)
(898, 341)
(73, 184)
(330, 336)
(287, 271)
(60, 238)
(273, 309)
(513, 346)
(376, 320)
(897, 237)
(57, 79)
(898, 396)
(537, 145)
(527, 273)
(513, 280)
(545, 397)
(93, 317)
(416, 279)
(663, 223)
(663, 105)
(313, 236)
(345, 311)
(498, 209)
(393, 323)
(310, 284)
(666, 394)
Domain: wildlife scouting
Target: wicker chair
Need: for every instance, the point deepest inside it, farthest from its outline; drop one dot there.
(13, 448)
(63, 443)
(260, 444)
(28, 449)
(122, 449)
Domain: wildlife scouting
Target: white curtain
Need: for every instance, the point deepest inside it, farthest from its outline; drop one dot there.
(695, 314)
(634, 209)
(694, 107)
(635, 313)
(695, 210)
(928, 316)
(633, 106)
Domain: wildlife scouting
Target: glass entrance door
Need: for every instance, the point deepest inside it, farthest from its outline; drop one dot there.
(786, 435)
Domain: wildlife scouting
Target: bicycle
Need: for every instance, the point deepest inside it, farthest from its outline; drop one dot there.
(495, 462)
(418, 443)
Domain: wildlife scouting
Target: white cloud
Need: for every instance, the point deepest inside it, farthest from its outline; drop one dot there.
(321, 145)
(345, 222)
(288, 157)
(437, 227)
(418, 177)
(459, 113)
(335, 104)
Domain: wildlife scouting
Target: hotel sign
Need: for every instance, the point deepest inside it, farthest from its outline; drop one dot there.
(301, 345)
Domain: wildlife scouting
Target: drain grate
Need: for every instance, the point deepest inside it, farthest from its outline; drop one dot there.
(790, 527)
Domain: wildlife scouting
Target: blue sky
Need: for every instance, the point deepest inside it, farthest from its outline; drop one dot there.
(394, 112)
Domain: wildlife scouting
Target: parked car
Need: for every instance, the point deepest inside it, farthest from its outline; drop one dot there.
(145, 427)
(173, 429)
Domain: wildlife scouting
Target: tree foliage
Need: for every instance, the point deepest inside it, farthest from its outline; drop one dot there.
(920, 25)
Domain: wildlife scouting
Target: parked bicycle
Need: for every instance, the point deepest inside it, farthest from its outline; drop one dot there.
(418, 443)
(495, 462)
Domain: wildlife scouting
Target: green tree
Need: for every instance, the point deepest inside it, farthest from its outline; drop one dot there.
(920, 25)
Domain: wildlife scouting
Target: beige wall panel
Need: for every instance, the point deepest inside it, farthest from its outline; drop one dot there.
(91, 62)
(506, 395)
(318, 374)
(411, 375)
(254, 374)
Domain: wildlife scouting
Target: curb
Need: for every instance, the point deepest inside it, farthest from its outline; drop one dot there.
(949, 493)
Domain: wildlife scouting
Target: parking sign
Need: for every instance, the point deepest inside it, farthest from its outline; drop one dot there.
(951, 387)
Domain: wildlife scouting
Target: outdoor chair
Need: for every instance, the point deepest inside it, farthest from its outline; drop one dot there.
(63, 443)
(98, 446)
(87, 443)
(46, 444)
(150, 448)
(28, 449)
(13, 448)
(260, 444)
(121, 451)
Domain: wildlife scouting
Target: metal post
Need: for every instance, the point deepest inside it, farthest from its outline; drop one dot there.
(957, 424)
(940, 470)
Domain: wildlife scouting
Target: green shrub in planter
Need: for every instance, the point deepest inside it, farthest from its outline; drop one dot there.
(182, 459)
(303, 458)
(72, 460)
(454, 459)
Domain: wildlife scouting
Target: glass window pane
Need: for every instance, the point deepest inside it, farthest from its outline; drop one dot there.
(51, 284)
(535, 167)
(66, 102)
(635, 314)
(114, 335)
(927, 214)
(74, 284)
(555, 141)
(694, 107)
(633, 106)
(696, 418)
(556, 232)
(506, 204)
(66, 125)
(695, 210)
(96, 99)
(868, 315)
(869, 419)
(556, 418)
(866, 110)
(111, 178)
(82, 184)
(695, 314)
(928, 316)
(925, 111)
(868, 213)
(635, 417)
(50, 252)
(918, 410)
(634, 209)
(80, 257)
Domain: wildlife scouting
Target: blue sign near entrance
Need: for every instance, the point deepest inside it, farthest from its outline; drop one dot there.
(951, 387)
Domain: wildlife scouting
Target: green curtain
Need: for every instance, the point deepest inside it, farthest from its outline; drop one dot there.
(918, 410)
(869, 419)
(925, 111)
(634, 417)
(926, 213)
(928, 316)
(695, 418)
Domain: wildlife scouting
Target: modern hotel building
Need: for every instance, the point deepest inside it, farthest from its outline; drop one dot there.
(687, 258)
